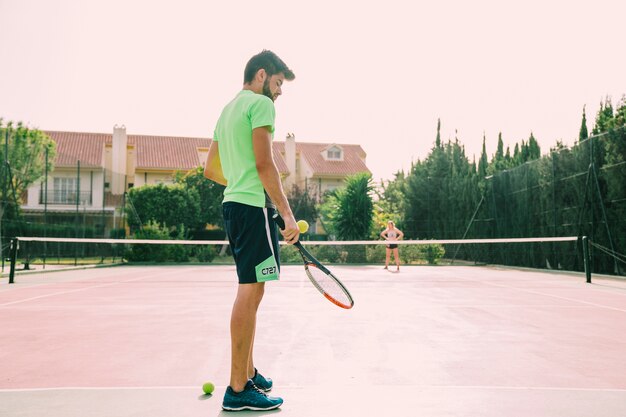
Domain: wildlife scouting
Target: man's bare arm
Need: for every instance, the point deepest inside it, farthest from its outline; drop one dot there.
(270, 178)
(213, 167)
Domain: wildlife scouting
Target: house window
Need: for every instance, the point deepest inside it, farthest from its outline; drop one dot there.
(64, 190)
(334, 153)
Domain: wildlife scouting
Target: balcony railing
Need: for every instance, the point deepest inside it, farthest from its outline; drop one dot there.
(65, 197)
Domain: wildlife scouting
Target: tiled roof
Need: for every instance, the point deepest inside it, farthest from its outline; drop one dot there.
(75, 146)
(279, 160)
(152, 152)
(352, 162)
(166, 152)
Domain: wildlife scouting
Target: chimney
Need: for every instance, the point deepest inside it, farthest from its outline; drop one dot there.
(118, 160)
(290, 159)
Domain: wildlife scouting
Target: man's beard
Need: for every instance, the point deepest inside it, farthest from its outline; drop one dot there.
(266, 89)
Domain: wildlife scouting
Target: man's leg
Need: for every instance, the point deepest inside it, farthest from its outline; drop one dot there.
(251, 356)
(265, 384)
(242, 329)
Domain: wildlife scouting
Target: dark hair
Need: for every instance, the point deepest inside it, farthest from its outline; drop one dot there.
(268, 61)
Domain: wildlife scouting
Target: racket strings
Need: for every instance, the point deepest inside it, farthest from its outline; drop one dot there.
(327, 285)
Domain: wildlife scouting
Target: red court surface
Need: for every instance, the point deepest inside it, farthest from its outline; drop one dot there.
(428, 341)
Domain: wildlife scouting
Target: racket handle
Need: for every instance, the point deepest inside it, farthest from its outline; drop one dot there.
(281, 224)
(279, 221)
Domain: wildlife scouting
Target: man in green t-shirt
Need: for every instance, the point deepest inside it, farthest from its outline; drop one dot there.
(240, 157)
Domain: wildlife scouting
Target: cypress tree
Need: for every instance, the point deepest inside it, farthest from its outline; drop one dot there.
(500, 149)
(534, 151)
(604, 116)
(523, 153)
(438, 139)
(583, 134)
(483, 163)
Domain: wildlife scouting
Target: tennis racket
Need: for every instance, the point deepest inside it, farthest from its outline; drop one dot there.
(322, 279)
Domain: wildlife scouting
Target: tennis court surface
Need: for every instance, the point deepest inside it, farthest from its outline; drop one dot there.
(428, 341)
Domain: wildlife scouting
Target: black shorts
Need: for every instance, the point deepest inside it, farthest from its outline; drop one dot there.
(253, 241)
(392, 246)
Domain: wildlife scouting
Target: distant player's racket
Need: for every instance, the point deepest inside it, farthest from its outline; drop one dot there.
(325, 282)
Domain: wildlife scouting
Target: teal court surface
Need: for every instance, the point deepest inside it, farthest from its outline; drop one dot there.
(428, 341)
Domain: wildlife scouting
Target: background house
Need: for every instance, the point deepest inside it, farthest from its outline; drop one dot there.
(319, 167)
(94, 170)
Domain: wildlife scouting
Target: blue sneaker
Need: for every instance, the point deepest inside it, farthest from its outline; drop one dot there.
(251, 398)
(260, 381)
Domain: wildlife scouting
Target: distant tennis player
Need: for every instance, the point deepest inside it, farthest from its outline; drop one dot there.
(240, 157)
(392, 234)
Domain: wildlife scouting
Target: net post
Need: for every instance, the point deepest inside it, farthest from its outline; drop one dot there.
(13, 257)
(586, 258)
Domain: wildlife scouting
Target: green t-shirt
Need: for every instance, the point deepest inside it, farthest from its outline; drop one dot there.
(233, 132)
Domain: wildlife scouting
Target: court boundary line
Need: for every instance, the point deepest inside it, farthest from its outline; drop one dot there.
(492, 284)
(420, 386)
(546, 295)
(20, 272)
(108, 284)
(44, 284)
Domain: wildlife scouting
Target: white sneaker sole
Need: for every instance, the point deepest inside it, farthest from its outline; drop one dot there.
(248, 407)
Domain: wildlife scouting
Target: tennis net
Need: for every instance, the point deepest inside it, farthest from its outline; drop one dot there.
(551, 253)
(557, 253)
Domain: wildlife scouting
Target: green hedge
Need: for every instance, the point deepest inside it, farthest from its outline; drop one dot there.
(364, 254)
(13, 229)
(163, 252)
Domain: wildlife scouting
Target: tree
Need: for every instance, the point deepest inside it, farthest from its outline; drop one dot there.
(328, 210)
(522, 155)
(210, 193)
(619, 120)
(355, 208)
(534, 151)
(438, 138)
(500, 149)
(303, 203)
(390, 204)
(440, 193)
(483, 162)
(604, 116)
(613, 175)
(26, 158)
(583, 134)
(417, 213)
(172, 206)
(526, 151)
(499, 161)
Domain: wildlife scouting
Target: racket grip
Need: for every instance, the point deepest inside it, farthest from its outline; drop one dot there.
(279, 221)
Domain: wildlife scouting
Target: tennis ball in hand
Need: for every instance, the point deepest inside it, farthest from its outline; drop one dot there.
(208, 387)
(303, 226)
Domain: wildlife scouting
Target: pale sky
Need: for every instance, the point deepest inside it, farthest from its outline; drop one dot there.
(374, 73)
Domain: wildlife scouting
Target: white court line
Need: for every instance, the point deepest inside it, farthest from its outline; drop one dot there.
(83, 289)
(30, 285)
(451, 306)
(198, 387)
(546, 295)
(172, 387)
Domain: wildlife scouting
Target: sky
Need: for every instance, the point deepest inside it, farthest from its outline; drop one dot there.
(374, 73)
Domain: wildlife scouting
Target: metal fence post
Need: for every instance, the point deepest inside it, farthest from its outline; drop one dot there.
(586, 258)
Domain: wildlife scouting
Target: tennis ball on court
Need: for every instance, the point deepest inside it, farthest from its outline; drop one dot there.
(208, 387)
(303, 226)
